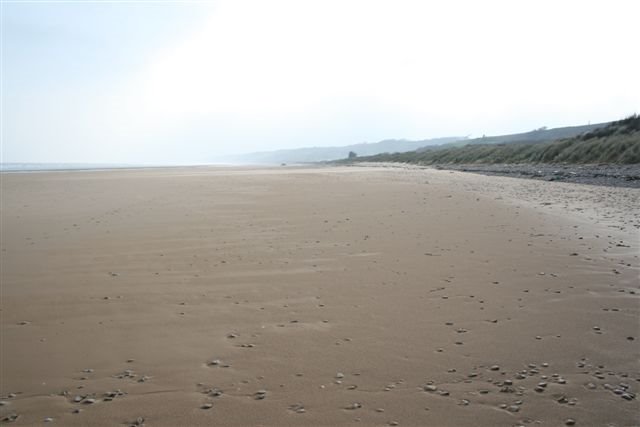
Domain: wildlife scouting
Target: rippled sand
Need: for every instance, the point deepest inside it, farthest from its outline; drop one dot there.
(317, 296)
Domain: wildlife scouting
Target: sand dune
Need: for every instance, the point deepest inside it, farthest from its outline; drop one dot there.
(317, 296)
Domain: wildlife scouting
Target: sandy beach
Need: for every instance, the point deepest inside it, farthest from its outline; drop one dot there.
(327, 296)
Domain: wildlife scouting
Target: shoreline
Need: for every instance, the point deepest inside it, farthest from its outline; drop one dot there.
(105, 168)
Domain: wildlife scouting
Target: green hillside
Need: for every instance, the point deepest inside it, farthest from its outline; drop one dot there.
(616, 142)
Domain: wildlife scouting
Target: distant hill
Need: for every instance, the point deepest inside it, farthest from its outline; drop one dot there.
(615, 142)
(320, 154)
(535, 136)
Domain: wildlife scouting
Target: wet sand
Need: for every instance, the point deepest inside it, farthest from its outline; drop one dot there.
(317, 296)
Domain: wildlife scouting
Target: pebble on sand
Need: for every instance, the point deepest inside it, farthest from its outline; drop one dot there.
(10, 418)
(297, 408)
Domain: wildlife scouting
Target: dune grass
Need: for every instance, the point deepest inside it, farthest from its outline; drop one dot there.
(617, 143)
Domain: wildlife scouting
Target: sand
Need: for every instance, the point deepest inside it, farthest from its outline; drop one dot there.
(317, 296)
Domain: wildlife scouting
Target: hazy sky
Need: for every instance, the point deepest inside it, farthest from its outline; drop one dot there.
(164, 82)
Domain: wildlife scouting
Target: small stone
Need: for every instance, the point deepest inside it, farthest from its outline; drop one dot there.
(354, 406)
(379, 410)
(48, 420)
(10, 418)
(569, 422)
(430, 387)
(495, 368)
(215, 392)
(207, 406)
(89, 401)
(297, 408)
(339, 375)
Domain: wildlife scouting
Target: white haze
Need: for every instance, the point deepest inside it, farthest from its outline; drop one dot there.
(240, 76)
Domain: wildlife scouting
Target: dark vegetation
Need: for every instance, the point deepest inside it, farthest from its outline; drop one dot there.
(617, 143)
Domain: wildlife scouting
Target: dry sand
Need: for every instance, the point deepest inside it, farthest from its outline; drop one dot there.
(326, 296)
